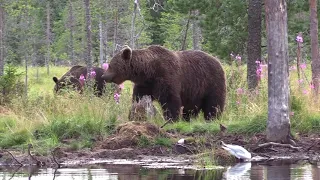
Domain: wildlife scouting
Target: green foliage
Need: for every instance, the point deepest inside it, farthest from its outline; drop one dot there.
(162, 141)
(15, 138)
(10, 84)
(143, 141)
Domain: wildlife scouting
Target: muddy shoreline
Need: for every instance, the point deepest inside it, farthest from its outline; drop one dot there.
(123, 147)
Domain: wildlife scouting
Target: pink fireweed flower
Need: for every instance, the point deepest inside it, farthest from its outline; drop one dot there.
(300, 81)
(239, 91)
(303, 66)
(311, 86)
(121, 86)
(92, 73)
(259, 71)
(105, 66)
(238, 102)
(82, 79)
(305, 91)
(238, 57)
(116, 97)
(257, 62)
(299, 39)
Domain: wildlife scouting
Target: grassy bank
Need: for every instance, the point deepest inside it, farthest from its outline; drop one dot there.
(46, 120)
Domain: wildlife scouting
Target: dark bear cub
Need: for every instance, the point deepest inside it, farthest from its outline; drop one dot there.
(190, 79)
(76, 77)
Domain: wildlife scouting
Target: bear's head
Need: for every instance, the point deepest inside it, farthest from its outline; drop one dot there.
(119, 67)
(63, 83)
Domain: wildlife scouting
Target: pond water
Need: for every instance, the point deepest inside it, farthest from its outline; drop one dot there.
(135, 172)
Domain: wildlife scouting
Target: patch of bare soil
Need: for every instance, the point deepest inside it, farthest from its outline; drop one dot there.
(129, 134)
(126, 144)
(4, 110)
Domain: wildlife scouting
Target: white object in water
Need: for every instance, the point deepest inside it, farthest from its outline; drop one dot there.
(237, 151)
(181, 141)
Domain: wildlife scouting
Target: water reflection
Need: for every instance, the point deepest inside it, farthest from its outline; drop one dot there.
(136, 172)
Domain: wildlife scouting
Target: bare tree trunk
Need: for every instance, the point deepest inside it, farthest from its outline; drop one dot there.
(314, 46)
(105, 38)
(184, 40)
(48, 37)
(88, 29)
(254, 41)
(1, 39)
(71, 24)
(196, 31)
(115, 35)
(278, 125)
(133, 24)
(101, 42)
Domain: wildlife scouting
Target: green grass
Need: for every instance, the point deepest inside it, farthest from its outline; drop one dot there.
(45, 119)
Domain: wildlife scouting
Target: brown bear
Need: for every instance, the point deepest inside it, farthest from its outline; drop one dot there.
(75, 78)
(192, 79)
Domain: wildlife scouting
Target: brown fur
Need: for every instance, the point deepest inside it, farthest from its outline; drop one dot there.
(71, 78)
(192, 79)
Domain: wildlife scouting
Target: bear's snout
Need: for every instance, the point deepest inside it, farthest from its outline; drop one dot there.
(107, 76)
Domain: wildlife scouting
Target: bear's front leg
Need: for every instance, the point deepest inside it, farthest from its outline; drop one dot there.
(139, 91)
(171, 105)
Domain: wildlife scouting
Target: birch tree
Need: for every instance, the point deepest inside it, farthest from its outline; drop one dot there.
(196, 30)
(314, 46)
(48, 35)
(71, 28)
(278, 125)
(1, 38)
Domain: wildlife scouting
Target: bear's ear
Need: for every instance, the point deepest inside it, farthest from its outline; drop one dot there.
(126, 53)
(55, 79)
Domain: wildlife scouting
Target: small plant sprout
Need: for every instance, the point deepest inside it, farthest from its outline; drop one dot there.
(105, 66)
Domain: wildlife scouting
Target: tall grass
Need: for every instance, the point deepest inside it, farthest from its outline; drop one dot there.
(46, 119)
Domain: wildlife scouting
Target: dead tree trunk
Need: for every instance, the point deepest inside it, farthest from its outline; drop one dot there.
(196, 31)
(1, 38)
(71, 27)
(88, 29)
(48, 37)
(105, 38)
(314, 46)
(115, 34)
(278, 125)
(254, 41)
(101, 42)
(184, 40)
(133, 24)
